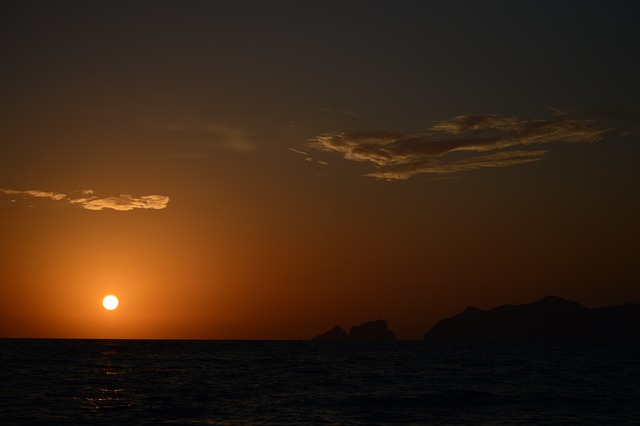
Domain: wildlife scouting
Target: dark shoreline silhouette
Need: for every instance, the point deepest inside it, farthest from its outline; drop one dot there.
(372, 331)
(548, 318)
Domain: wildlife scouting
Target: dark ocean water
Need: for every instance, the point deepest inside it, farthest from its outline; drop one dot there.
(94, 382)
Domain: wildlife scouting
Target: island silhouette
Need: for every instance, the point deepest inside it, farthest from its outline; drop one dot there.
(371, 331)
(551, 317)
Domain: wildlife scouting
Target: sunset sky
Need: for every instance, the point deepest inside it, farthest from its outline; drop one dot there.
(269, 169)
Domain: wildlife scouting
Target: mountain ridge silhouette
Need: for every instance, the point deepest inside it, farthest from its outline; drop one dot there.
(551, 317)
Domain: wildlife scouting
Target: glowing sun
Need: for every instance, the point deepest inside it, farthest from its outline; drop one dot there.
(110, 302)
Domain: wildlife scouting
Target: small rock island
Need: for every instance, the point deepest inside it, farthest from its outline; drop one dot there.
(336, 334)
(372, 331)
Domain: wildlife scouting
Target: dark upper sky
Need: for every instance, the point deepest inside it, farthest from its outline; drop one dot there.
(270, 169)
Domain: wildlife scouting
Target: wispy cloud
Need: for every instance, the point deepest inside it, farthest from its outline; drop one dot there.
(484, 140)
(87, 200)
(499, 159)
(340, 112)
(56, 196)
(197, 138)
(297, 151)
(307, 156)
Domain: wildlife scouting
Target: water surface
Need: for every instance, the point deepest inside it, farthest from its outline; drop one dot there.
(142, 382)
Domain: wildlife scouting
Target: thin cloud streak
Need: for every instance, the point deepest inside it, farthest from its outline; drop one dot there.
(89, 201)
(307, 157)
(508, 139)
(199, 137)
(340, 112)
(500, 159)
(56, 196)
(297, 151)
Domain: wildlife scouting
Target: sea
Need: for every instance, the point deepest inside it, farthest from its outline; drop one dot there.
(164, 382)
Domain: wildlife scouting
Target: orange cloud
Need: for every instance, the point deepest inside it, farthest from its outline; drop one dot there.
(126, 202)
(90, 202)
(56, 196)
(401, 156)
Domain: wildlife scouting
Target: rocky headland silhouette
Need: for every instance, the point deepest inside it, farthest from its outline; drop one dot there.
(372, 331)
(548, 318)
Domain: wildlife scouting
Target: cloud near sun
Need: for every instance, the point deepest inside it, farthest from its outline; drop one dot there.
(89, 201)
(464, 143)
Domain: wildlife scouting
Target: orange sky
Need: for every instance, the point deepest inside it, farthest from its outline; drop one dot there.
(267, 171)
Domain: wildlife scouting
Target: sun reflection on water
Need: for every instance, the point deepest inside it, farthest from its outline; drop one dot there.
(108, 390)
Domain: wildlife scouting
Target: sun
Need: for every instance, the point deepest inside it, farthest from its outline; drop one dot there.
(110, 302)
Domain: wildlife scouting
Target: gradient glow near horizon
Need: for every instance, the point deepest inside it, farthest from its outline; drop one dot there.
(267, 170)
